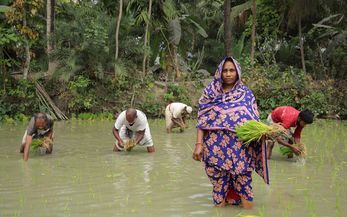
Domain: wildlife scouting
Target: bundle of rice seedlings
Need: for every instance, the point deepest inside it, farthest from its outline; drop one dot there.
(285, 151)
(130, 144)
(36, 143)
(43, 142)
(47, 143)
(254, 130)
(303, 150)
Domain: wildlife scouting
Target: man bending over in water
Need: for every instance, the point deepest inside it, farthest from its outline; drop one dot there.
(175, 116)
(132, 124)
(41, 128)
(294, 121)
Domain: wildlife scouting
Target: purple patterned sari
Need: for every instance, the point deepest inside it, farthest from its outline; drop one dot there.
(219, 114)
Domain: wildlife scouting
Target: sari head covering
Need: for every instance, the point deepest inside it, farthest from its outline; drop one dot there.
(219, 110)
(226, 110)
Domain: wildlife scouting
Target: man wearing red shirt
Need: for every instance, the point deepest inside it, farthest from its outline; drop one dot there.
(289, 118)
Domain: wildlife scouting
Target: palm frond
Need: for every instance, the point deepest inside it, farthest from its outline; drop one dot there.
(169, 9)
(220, 32)
(201, 30)
(237, 10)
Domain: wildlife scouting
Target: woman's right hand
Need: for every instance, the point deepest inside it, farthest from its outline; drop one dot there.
(296, 150)
(197, 154)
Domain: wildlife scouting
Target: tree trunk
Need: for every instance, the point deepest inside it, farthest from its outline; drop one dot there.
(193, 42)
(177, 70)
(50, 33)
(254, 20)
(144, 62)
(302, 47)
(118, 25)
(27, 49)
(227, 28)
(53, 23)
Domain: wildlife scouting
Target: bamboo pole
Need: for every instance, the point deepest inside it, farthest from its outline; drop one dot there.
(49, 102)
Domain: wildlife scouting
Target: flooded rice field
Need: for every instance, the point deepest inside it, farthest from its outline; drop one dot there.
(83, 177)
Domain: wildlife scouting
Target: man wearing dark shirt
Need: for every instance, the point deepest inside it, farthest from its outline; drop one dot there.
(39, 127)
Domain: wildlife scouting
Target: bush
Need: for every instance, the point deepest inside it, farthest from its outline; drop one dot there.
(152, 106)
(274, 87)
(317, 102)
(82, 99)
(22, 118)
(92, 116)
(177, 93)
(17, 98)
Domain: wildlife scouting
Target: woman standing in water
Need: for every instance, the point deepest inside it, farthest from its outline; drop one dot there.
(225, 104)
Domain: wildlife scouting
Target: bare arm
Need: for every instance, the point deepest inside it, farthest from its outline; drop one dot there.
(197, 154)
(295, 149)
(297, 140)
(178, 121)
(199, 136)
(50, 134)
(116, 135)
(139, 136)
(29, 140)
(184, 121)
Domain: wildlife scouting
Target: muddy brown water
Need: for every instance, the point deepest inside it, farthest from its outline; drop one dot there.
(83, 177)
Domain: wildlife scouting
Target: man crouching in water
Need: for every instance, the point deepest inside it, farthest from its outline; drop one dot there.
(40, 127)
(132, 125)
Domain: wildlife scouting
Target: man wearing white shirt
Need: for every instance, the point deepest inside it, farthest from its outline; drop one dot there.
(175, 115)
(132, 124)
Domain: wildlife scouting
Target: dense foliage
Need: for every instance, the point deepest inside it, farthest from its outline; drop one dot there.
(300, 54)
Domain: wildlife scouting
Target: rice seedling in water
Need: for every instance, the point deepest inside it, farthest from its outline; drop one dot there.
(310, 205)
(287, 209)
(16, 214)
(245, 215)
(218, 214)
(337, 201)
(253, 130)
(262, 212)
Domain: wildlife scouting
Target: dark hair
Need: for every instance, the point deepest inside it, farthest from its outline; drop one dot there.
(40, 116)
(306, 116)
(229, 59)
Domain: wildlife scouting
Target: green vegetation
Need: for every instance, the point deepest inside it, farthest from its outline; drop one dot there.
(285, 151)
(165, 51)
(36, 143)
(273, 87)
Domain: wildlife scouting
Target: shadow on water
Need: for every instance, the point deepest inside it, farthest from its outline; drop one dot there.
(83, 177)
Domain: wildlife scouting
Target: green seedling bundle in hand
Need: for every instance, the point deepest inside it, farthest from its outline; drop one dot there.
(285, 151)
(253, 130)
(43, 142)
(36, 143)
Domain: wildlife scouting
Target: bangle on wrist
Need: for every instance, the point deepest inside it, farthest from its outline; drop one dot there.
(198, 143)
